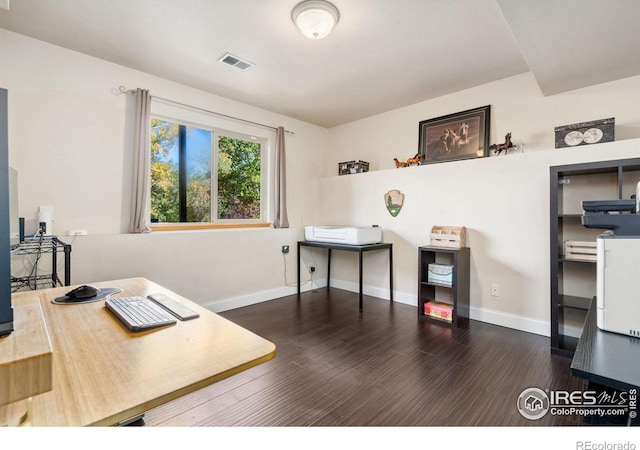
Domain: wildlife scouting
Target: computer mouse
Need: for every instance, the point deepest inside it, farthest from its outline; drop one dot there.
(82, 292)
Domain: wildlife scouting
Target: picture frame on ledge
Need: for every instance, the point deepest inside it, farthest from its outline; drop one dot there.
(463, 135)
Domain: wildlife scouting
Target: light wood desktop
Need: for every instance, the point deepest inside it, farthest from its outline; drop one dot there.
(104, 374)
(25, 362)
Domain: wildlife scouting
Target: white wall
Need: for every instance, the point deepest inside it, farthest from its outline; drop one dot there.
(517, 106)
(69, 139)
(69, 136)
(503, 201)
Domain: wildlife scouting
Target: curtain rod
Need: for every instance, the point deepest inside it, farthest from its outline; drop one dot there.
(124, 90)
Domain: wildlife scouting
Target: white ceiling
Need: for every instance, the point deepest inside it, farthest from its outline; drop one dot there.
(382, 55)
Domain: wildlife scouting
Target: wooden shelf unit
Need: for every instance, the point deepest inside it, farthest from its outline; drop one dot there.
(573, 282)
(456, 295)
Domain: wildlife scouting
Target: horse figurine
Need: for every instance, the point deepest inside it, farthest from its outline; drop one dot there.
(415, 160)
(400, 163)
(498, 148)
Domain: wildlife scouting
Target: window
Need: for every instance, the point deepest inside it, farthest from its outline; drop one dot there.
(203, 175)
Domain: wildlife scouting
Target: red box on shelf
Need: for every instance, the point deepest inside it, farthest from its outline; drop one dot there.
(439, 310)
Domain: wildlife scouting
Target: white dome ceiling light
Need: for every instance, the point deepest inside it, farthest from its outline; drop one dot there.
(315, 18)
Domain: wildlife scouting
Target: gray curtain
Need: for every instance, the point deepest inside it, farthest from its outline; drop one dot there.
(139, 220)
(281, 220)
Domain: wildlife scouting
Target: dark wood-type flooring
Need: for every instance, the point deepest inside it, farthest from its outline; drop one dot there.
(384, 367)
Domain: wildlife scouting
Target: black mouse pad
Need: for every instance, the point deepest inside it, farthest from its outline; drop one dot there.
(104, 293)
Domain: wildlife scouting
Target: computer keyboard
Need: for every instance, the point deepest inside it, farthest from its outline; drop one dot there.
(139, 313)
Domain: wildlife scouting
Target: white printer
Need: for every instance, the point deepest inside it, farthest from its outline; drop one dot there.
(618, 284)
(618, 263)
(343, 235)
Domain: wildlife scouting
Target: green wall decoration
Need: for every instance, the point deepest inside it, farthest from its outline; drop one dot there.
(393, 200)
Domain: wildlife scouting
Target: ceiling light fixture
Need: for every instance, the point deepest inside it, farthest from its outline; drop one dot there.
(315, 18)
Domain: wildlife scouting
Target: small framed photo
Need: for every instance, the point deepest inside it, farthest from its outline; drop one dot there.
(462, 135)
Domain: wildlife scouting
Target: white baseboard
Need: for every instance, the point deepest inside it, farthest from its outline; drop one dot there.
(502, 319)
(516, 322)
(366, 290)
(259, 297)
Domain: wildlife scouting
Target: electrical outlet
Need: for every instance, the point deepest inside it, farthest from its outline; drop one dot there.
(77, 233)
(312, 269)
(495, 290)
(285, 249)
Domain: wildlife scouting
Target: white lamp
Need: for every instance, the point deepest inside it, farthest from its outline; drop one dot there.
(315, 18)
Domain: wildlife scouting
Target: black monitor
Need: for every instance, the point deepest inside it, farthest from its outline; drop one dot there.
(6, 309)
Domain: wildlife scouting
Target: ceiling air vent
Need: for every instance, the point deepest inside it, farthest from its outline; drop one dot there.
(236, 62)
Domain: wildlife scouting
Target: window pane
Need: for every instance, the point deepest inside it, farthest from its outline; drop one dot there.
(164, 171)
(198, 165)
(184, 186)
(238, 178)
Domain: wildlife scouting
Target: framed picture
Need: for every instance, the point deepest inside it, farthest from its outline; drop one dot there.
(462, 135)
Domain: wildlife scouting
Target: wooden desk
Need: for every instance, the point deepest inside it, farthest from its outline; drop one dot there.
(351, 248)
(104, 374)
(25, 355)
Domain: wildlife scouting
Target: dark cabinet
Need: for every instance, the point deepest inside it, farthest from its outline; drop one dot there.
(446, 295)
(573, 273)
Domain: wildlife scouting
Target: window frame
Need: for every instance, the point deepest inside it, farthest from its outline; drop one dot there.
(265, 178)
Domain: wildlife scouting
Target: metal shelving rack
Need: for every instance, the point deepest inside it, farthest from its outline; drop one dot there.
(39, 246)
